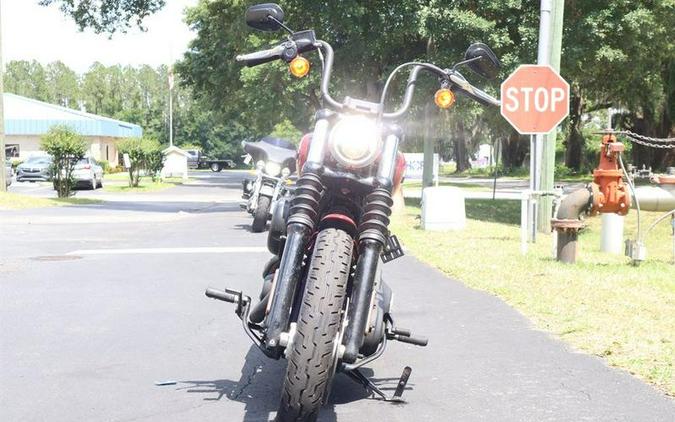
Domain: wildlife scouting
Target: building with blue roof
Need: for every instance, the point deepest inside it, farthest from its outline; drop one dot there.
(26, 120)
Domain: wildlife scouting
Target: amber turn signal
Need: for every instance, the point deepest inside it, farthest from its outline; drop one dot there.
(444, 98)
(299, 67)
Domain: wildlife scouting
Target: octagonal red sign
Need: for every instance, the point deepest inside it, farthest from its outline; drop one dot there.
(535, 99)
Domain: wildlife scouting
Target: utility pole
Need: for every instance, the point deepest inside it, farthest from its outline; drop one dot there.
(546, 175)
(3, 172)
(170, 106)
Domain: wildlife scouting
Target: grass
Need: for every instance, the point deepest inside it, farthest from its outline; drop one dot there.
(146, 185)
(601, 305)
(14, 201)
(469, 186)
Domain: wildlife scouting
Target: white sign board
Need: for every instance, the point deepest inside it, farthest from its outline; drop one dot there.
(414, 166)
(127, 161)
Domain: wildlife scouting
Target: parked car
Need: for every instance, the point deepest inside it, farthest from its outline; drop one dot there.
(88, 173)
(8, 173)
(197, 161)
(35, 169)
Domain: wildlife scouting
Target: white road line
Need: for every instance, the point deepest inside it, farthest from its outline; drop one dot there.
(164, 251)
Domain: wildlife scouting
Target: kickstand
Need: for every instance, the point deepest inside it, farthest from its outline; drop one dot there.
(358, 377)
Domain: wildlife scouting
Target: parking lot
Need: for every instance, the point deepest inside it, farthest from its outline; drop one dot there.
(100, 303)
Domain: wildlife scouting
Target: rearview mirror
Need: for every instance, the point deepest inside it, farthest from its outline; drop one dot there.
(484, 61)
(265, 17)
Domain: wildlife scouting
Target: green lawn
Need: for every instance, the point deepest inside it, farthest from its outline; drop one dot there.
(601, 305)
(146, 184)
(15, 201)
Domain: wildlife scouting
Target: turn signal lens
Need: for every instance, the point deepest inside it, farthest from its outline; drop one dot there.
(299, 67)
(444, 98)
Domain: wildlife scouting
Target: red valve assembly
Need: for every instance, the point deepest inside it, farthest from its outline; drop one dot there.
(609, 191)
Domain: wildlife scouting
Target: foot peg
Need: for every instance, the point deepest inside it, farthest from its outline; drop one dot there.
(225, 296)
(405, 336)
(231, 296)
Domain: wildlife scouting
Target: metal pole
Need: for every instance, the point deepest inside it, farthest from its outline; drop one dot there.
(548, 148)
(3, 184)
(428, 169)
(171, 106)
(536, 155)
(170, 117)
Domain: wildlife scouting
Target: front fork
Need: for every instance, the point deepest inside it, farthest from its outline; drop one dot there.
(303, 217)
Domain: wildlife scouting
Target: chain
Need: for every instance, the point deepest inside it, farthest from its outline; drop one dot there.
(666, 143)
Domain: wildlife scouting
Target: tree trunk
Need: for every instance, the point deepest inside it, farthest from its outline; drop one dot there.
(514, 150)
(461, 154)
(574, 144)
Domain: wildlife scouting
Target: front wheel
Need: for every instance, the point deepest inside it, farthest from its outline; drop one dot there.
(261, 213)
(312, 355)
(215, 167)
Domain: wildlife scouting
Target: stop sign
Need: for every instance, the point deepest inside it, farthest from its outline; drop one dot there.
(535, 99)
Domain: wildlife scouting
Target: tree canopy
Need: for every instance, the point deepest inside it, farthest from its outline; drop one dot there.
(108, 16)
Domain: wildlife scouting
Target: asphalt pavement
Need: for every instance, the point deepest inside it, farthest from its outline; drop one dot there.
(99, 303)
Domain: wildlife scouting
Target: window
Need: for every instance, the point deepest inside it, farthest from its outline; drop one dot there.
(12, 150)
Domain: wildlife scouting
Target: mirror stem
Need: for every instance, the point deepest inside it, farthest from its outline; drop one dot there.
(281, 24)
(463, 62)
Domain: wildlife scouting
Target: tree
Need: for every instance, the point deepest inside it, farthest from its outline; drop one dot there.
(28, 79)
(63, 84)
(619, 54)
(107, 15)
(144, 155)
(66, 147)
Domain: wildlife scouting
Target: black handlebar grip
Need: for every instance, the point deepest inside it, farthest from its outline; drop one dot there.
(260, 57)
(221, 295)
(421, 341)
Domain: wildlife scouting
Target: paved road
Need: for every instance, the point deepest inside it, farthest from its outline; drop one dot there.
(87, 327)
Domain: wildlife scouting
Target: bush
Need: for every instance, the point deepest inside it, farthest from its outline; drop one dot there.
(66, 147)
(144, 154)
(105, 165)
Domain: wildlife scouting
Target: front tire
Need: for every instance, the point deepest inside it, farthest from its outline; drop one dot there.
(215, 167)
(261, 213)
(312, 357)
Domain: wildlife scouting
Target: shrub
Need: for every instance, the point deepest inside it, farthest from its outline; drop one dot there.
(105, 165)
(144, 155)
(66, 147)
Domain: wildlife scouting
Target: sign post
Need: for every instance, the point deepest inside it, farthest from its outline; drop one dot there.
(535, 99)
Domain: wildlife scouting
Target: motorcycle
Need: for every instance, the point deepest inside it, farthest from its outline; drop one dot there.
(275, 162)
(324, 305)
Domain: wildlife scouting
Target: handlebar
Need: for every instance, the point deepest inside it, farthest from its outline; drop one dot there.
(260, 57)
(289, 49)
(471, 91)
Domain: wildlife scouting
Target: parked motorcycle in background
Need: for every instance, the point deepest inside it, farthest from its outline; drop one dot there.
(324, 304)
(274, 160)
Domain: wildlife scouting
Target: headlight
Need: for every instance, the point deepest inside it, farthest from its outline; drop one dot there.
(285, 172)
(355, 141)
(273, 169)
(260, 165)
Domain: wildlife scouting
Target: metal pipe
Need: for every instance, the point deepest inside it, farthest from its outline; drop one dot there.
(656, 198)
(567, 223)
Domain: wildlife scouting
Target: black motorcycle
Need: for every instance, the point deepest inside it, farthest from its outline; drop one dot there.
(274, 161)
(324, 305)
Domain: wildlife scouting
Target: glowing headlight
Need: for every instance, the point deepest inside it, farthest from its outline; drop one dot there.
(260, 165)
(273, 169)
(355, 141)
(285, 172)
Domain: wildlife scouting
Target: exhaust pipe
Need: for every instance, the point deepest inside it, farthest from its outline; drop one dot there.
(568, 223)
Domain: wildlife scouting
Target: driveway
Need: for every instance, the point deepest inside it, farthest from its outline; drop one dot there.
(99, 303)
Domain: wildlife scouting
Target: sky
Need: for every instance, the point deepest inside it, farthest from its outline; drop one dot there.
(33, 32)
